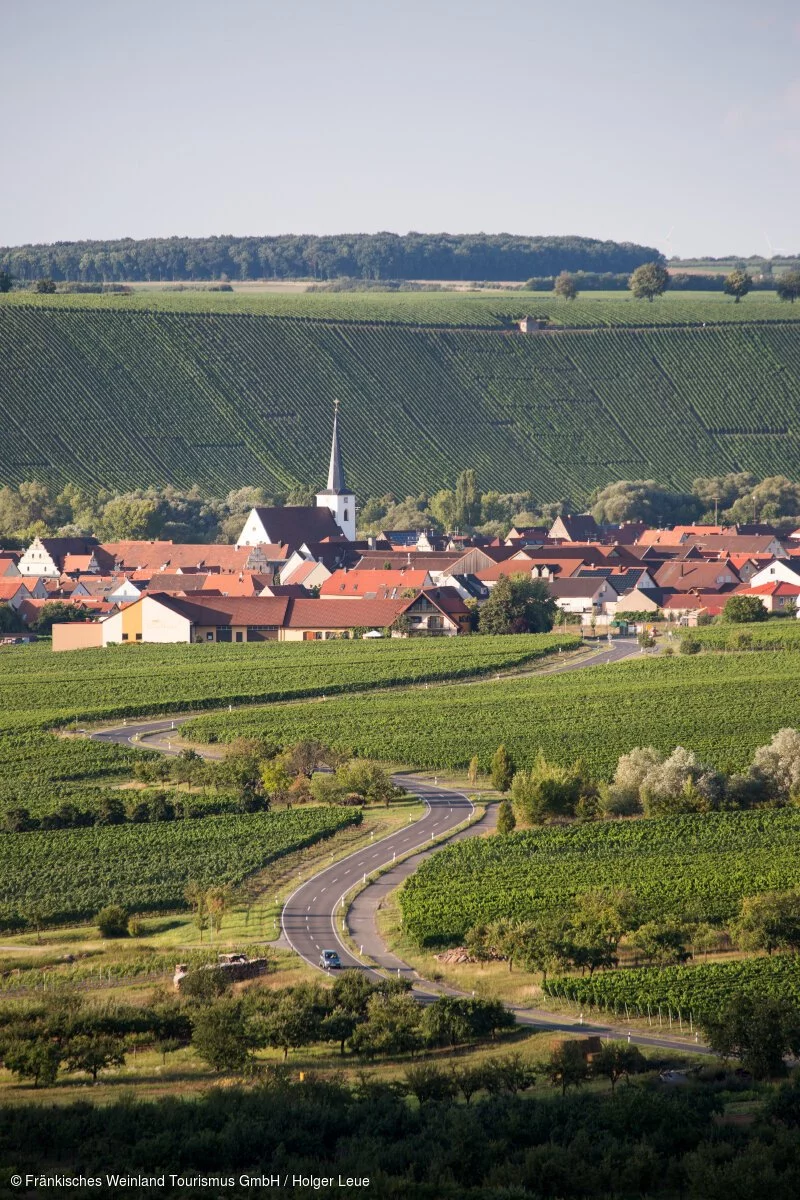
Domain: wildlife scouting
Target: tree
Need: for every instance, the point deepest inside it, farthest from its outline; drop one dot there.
(565, 286)
(547, 790)
(643, 500)
(662, 945)
(467, 507)
(295, 1020)
(473, 770)
(757, 1029)
(33, 1058)
(391, 1025)
(567, 1067)
(778, 764)
(787, 286)
(6, 281)
(44, 286)
(112, 921)
(218, 901)
(501, 769)
(428, 1083)
(403, 624)
(93, 1053)
(738, 284)
(743, 610)
(518, 605)
(338, 1026)
(57, 611)
(221, 1036)
(617, 1059)
(506, 821)
(195, 897)
(769, 921)
(508, 1073)
(648, 281)
(368, 780)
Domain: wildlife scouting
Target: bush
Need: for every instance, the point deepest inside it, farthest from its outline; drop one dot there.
(113, 921)
(690, 645)
(744, 610)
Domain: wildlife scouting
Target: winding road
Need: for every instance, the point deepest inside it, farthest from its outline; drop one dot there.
(314, 916)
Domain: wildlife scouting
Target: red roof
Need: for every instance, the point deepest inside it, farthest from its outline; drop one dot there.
(375, 584)
(770, 589)
(9, 586)
(343, 614)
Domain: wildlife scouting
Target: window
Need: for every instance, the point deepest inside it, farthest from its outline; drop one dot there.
(209, 637)
(346, 516)
(138, 637)
(240, 636)
(124, 637)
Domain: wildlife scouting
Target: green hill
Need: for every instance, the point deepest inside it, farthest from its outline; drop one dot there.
(128, 392)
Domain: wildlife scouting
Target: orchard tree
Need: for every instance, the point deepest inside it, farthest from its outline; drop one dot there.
(648, 281)
(93, 1053)
(756, 1029)
(617, 1059)
(769, 921)
(738, 284)
(37, 1059)
(565, 286)
(787, 286)
(567, 1067)
(221, 1037)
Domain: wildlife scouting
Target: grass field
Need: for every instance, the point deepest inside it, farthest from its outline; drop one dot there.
(245, 394)
(721, 706)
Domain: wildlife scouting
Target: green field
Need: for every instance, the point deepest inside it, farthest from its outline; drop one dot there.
(721, 706)
(67, 875)
(689, 867)
(41, 689)
(245, 397)
(700, 990)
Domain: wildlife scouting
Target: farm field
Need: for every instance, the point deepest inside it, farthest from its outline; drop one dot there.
(246, 396)
(41, 689)
(689, 867)
(67, 875)
(701, 990)
(721, 706)
(494, 309)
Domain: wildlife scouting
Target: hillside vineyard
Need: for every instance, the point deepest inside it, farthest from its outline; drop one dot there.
(126, 399)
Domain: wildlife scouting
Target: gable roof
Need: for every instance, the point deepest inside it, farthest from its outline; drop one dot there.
(373, 584)
(578, 587)
(693, 574)
(222, 610)
(577, 527)
(343, 614)
(295, 524)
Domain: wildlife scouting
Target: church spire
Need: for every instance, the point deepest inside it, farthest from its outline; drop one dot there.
(336, 483)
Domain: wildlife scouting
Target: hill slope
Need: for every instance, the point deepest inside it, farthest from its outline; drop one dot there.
(124, 398)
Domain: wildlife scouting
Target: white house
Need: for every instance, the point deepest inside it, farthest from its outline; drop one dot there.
(778, 571)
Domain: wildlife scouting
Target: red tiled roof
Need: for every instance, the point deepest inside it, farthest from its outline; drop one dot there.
(373, 584)
(9, 586)
(770, 589)
(343, 614)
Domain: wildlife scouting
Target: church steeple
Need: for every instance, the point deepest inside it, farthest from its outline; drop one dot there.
(336, 481)
(337, 496)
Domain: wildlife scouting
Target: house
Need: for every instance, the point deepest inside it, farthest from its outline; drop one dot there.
(374, 584)
(8, 564)
(777, 571)
(587, 597)
(687, 607)
(575, 527)
(161, 617)
(307, 573)
(697, 575)
(333, 555)
(45, 556)
(777, 597)
(723, 544)
(530, 324)
(14, 591)
(638, 599)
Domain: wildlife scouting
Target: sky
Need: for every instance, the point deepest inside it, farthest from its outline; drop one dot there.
(672, 124)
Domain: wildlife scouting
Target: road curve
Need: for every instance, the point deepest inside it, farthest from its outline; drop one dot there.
(313, 918)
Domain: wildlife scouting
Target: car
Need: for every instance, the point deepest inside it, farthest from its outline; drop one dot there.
(329, 960)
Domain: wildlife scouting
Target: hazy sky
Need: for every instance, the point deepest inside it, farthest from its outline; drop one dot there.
(670, 122)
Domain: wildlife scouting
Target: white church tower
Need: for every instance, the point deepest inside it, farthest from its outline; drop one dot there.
(336, 496)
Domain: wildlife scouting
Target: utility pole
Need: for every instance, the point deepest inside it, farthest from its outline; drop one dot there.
(716, 504)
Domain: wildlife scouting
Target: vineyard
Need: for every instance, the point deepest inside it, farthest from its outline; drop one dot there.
(40, 689)
(69, 875)
(688, 867)
(702, 990)
(245, 397)
(721, 706)
(771, 635)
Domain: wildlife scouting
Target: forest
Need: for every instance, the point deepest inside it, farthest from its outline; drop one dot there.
(502, 256)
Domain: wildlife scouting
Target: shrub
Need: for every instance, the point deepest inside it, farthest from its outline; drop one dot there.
(113, 921)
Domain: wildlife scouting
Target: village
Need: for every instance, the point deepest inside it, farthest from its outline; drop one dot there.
(301, 573)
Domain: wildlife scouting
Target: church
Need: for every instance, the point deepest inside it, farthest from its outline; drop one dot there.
(333, 519)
